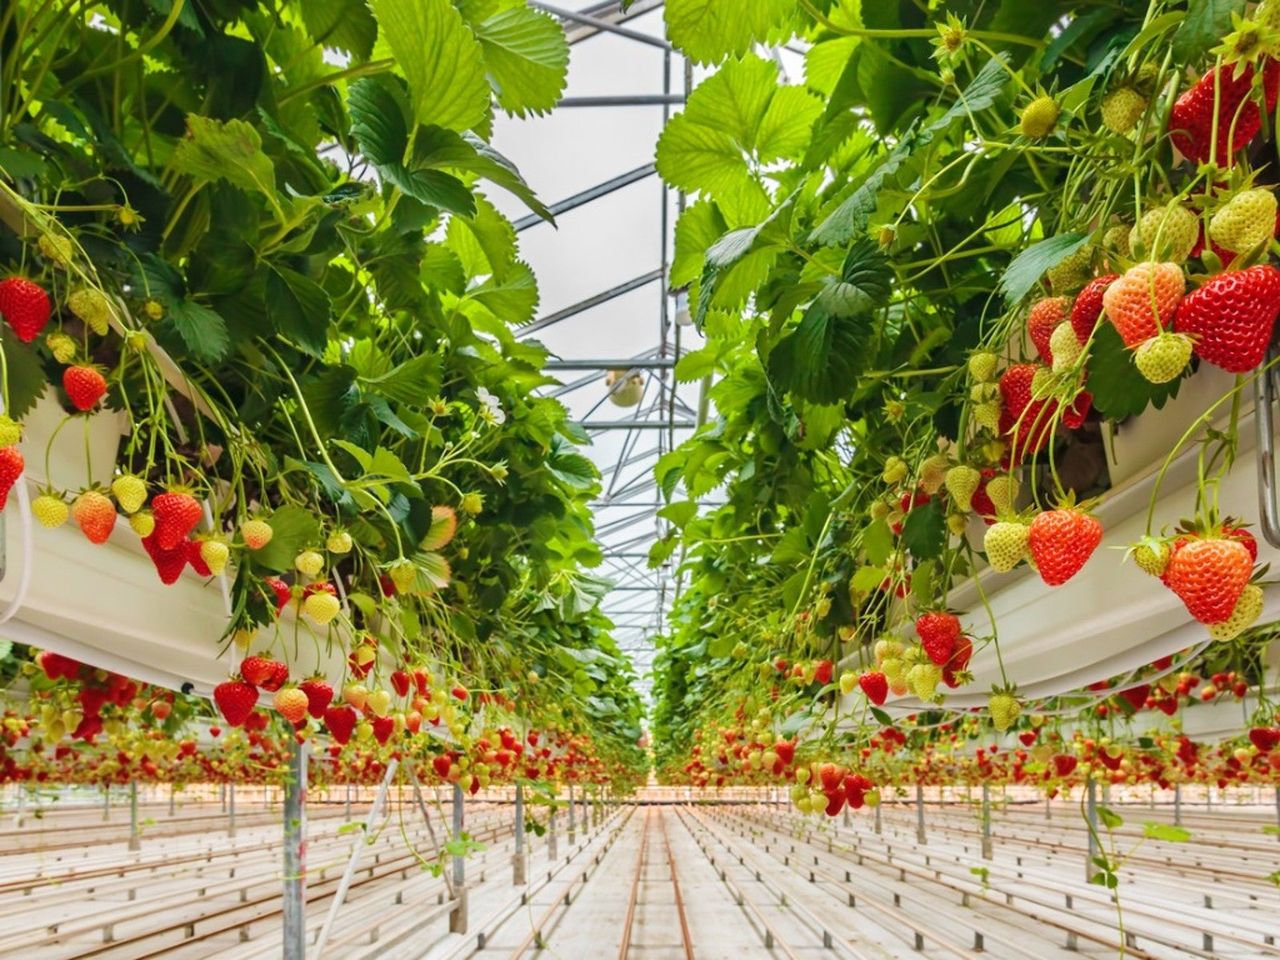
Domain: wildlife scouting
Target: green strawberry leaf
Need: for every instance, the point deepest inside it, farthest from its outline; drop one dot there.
(1118, 389)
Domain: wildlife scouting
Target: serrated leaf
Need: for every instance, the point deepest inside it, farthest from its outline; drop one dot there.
(696, 365)
(435, 188)
(1206, 23)
(708, 30)
(378, 120)
(1026, 269)
(299, 307)
(25, 376)
(924, 531)
(414, 382)
(527, 58)
(877, 541)
(787, 125)
(866, 579)
(232, 150)
(440, 58)
(435, 568)
(346, 25)
(882, 718)
(202, 329)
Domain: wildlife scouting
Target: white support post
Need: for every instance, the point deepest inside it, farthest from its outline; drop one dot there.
(295, 846)
(348, 810)
(986, 822)
(135, 841)
(920, 834)
(431, 830)
(1177, 804)
(357, 847)
(1278, 812)
(173, 788)
(519, 859)
(552, 839)
(878, 825)
(573, 818)
(458, 919)
(106, 803)
(231, 810)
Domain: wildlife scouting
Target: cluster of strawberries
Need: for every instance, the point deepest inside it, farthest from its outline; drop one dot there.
(97, 689)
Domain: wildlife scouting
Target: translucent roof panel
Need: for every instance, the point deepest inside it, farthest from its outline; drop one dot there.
(605, 304)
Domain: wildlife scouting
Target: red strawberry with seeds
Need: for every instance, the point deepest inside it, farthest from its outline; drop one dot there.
(1244, 536)
(282, 591)
(875, 685)
(400, 681)
(823, 671)
(168, 563)
(257, 670)
(84, 385)
(1087, 309)
(176, 514)
(1265, 739)
(235, 699)
(1191, 121)
(958, 663)
(938, 632)
(1026, 422)
(1061, 541)
(1208, 574)
(11, 467)
(25, 307)
(319, 695)
(383, 728)
(1231, 316)
(279, 676)
(340, 721)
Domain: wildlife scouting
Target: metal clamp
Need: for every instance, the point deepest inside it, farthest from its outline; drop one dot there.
(1264, 395)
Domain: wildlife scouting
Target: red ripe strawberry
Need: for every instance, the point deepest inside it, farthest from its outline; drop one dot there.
(441, 765)
(1026, 422)
(1208, 574)
(11, 466)
(400, 681)
(1231, 316)
(279, 676)
(938, 632)
(292, 704)
(177, 514)
(459, 693)
(823, 671)
(1265, 739)
(383, 728)
(786, 751)
(258, 670)
(191, 549)
(236, 700)
(282, 591)
(319, 695)
(1191, 122)
(169, 563)
(1061, 541)
(1087, 308)
(835, 803)
(1074, 416)
(25, 307)
(958, 663)
(1137, 696)
(1043, 319)
(84, 385)
(875, 685)
(340, 721)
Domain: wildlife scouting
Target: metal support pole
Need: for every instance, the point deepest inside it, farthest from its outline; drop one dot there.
(353, 861)
(172, 792)
(920, 837)
(1048, 808)
(1208, 799)
(231, 810)
(878, 827)
(135, 843)
(222, 797)
(348, 811)
(295, 848)
(986, 821)
(1091, 812)
(1278, 811)
(106, 803)
(518, 859)
(573, 818)
(552, 852)
(1177, 804)
(458, 919)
